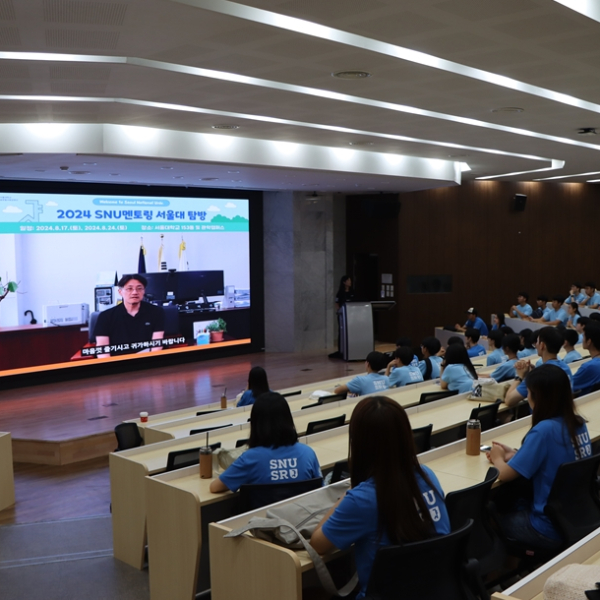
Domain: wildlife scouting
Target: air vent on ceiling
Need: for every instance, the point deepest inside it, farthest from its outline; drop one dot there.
(78, 39)
(9, 36)
(7, 10)
(225, 126)
(93, 72)
(84, 13)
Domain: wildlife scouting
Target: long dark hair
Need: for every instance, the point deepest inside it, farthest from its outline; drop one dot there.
(271, 422)
(257, 381)
(550, 391)
(342, 288)
(457, 355)
(382, 447)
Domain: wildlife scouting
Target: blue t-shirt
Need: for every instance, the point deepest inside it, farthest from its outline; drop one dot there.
(436, 361)
(458, 378)
(573, 320)
(587, 376)
(505, 371)
(594, 300)
(401, 376)
(496, 357)
(355, 521)
(526, 310)
(579, 298)
(246, 399)
(526, 352)
(297, 462)
(544, 449)
(476, 350)
(368, 384)
(572, 356)
(522, 387)
(477, 324)
(554, 315)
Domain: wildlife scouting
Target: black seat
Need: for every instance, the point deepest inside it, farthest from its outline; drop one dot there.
(573, 504)
(427, 570)
(486, 415)
(433, 396)
(325, 424)
(422, 437)
(128, 436)
(205, 429)
(340, 471)
(178, 459)
(288, 394)
(258, 495)
(326, 400)
(470, 503)
(208, 412)
(242, 442)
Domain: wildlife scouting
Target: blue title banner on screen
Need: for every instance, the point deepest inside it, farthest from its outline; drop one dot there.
(49, 213)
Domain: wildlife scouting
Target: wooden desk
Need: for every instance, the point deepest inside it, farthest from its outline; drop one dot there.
(277, 572)
(129, 467)
(586, 551)
(7, 481)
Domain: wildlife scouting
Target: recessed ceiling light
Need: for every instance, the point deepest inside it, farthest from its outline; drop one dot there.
(115, 174)
(178, 177)
(89, 164)
(509, 109)
(79, 172)
(167, 168)
(209, 179)
(40, 170)
(225, 126)
(351, 75)
(233, 171)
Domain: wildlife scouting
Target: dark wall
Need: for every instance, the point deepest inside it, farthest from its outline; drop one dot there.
(473, 233)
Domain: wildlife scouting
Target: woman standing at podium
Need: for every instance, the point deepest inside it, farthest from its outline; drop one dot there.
(344, 294)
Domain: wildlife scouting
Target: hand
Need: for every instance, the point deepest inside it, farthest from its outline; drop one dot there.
(522, 367)
(508, 451)
(496, 453)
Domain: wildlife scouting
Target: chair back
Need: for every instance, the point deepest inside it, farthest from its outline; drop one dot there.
(325, 424)
(205, 429)
(471, 503)
(332, 398)
(242, 442)
(341, 470)
(92, 326)
(573, 504)
(426, 570)
(178, 459)
(171, 320)
(207, 412)
(288, 394)
(433, 396)
(257, 495)
(486, 415)
(422, 438)
(128, 436)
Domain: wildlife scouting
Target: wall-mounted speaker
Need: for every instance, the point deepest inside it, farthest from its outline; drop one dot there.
(520, 201)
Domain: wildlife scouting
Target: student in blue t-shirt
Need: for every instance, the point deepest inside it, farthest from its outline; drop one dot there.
(400, 370)
(496, 356)
(521, 310)
(542, 301)
(457, 371)
(587, 376)
(371, 382)
(274, 455)
(527, 342)
(474, 322)
(571, 338)
(510, 347)
(473, 347)
(557, 435)
(556, 315)
(573, 313)
(393, 499)
(257, 384)
(430, 365)
(575, 294)
(592, 299)
(548, 345)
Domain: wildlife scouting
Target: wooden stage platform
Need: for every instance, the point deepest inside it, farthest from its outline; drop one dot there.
(69, 422)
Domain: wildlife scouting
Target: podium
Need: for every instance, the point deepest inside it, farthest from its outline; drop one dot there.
(356, 327)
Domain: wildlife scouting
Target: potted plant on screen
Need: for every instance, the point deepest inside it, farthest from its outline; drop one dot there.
(217, 329)
(6, 288)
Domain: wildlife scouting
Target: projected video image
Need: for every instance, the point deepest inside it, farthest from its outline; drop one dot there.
(183, 263)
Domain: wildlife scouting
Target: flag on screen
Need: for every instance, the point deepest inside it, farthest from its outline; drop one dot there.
(162, 265)
(142, 258)
(183, 263)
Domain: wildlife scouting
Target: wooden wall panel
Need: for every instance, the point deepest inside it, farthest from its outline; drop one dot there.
(473, 233)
